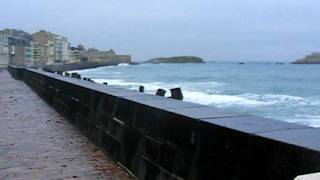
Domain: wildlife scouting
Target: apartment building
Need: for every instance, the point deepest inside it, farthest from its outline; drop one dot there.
(20, 47)
(50, 48)
(4, 50)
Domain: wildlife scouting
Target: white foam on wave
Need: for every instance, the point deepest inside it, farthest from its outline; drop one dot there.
(123, 64)
(190, 94)
(150, 87)
(315, 101)
(97, 69)
(219, 100)
(119, 82)
(116, 72)
(278, 99)
(206, 84)
(309, 120)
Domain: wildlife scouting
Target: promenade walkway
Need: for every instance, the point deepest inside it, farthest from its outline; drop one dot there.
(37, 143)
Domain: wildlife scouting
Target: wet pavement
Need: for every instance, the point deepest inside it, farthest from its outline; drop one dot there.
(37, 143)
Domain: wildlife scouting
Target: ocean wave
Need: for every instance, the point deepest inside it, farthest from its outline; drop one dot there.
(205, 84)
(119, 82)
(123, 64)
(131, 85)
(189, 92)
(190, 95)
(309, 120)
(278, 99)
(198, 92)
(116, 72)
(220, 100)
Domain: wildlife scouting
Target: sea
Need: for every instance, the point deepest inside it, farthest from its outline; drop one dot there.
(285, 92)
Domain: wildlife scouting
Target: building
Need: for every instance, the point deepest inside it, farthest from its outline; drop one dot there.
(20, 47)
(61, 49)
(75, 53)
(4, 50)
(43, 47)
(50, 48)
(96, 56)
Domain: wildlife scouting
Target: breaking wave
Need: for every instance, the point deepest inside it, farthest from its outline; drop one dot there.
(205, 98)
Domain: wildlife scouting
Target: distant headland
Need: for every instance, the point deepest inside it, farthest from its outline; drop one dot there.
(313, 58)
(176, 59)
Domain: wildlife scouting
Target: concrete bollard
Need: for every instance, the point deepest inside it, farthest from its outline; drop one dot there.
(74, 75)
(161, 92)
(176, 93)
(90, 80)
(141, 88)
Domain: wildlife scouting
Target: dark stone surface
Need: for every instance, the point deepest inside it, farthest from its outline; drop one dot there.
(183, 136)
(147, 169)
(159, 124)
(151, 148)
(161, 92)
(94, 133)
(279, 160)
(111, 146)
(129, 155)
(147, 120)
(109, 104)
(121, 92)
(104, 120)
(220, 152)
(222, 148)
(176, 93)
(125, 110)
(175, 161)
(141, 88)
(115, 128)
(162, 102)
(253, 124)
(306, 137)
(150, 170)
(204, 112)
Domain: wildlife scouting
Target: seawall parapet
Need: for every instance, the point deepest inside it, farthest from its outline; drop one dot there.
(159, 138)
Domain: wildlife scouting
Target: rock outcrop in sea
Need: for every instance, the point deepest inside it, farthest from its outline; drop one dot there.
(314, 58)
(177, 59)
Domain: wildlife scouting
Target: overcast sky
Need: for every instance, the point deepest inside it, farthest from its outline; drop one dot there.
(224, 30)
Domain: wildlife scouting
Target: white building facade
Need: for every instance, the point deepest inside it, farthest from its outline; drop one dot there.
(4, 50)
(61, 49)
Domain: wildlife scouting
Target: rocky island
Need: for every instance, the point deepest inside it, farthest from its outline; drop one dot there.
(314, 58)
(177, 59)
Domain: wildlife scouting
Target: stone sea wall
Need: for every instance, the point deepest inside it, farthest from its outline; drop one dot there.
(158, 138)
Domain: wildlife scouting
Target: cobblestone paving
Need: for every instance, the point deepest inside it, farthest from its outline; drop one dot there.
(37, 143)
